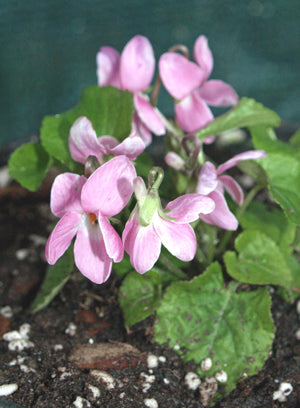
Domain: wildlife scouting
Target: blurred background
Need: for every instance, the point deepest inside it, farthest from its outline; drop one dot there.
(48, 51)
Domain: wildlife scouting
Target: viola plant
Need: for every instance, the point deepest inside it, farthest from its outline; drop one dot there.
(197, 248)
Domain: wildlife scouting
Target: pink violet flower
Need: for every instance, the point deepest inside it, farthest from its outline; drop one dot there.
(84, 142)
(149, 226)
(132, 70)
(188, 83)
(84, 206)
(212, 183)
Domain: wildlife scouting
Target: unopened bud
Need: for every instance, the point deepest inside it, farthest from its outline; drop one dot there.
(174, 161)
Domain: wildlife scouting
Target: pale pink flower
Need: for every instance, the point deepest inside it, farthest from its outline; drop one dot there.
(84, 206)
(132, 70)
(188, 83)
(84, 142)
(212, 183)
(150, 226)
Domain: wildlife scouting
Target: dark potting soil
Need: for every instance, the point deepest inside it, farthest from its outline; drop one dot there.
(79, 352)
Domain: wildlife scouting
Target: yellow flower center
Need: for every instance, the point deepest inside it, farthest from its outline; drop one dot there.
(92, 217)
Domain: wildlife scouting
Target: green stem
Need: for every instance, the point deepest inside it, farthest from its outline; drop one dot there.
(226, 237)
(173, 269)
(200, 256)
(250, 196)
(171, 129)
(211, 245)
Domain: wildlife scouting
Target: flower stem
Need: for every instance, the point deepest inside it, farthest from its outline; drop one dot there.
(211, 246)
(155, 92)
(173, 269)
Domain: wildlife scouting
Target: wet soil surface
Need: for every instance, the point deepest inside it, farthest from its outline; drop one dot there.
(77, 351)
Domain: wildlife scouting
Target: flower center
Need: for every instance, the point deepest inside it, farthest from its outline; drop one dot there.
(92, 217)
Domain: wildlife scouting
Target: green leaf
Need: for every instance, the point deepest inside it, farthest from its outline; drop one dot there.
(246, 113)
(295, 140)
(206, 320)
(283, 172)
(139, 296)
(259, 261)
(109, 109)
(264, 138)
(170, 268)
(290, 294)
(56, 277)
(272, 222)
(143, 164)
(254, 170)
(123, 267)
(29, 164)
(282, 167)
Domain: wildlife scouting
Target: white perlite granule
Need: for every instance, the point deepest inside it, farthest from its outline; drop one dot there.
(71, 329)
(298, 307)
(4, 177)
(151, 403)
(148, 381)
(21, 254)
(18, 340)
(192, 380)
(284, 390)
(106, 378)
(81, 403)
(7, 389)
(94, 390)
(221, 376)
(152, 361)
(206, 364)
(6, 311)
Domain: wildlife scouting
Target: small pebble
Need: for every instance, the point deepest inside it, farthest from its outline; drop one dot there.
(65, 375)
(27, 369)
(151, 403)
(176, 347)
(298, 334)
(162, 359)
(206, 364)
(208, 389)
(58, 347)
(166, 381)
(152, 361)
(221, 376)
(7, 389)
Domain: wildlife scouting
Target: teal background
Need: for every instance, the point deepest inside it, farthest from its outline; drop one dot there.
(48, 49)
